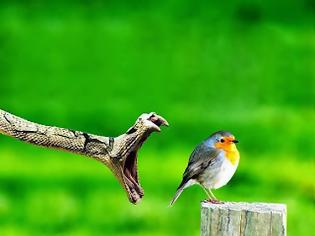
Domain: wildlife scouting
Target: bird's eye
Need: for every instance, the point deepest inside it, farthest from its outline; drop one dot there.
(222, 140)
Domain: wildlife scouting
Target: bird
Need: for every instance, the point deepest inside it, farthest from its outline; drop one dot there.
(211, 165)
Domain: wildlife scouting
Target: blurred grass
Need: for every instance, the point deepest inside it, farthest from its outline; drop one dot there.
(244, 66)
(59, 194)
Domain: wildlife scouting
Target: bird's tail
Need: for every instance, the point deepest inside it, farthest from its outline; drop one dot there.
(178, 192)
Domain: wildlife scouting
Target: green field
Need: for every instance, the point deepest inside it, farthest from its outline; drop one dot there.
(243, 66)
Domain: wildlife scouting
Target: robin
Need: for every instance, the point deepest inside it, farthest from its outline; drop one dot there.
(211, 165)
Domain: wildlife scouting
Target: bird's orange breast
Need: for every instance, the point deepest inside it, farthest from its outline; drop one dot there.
(231, 152)
(233, 156)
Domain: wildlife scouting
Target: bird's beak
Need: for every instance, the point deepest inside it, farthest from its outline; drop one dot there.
(235, 141)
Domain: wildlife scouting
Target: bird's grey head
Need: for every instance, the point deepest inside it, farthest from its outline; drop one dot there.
(220, 137)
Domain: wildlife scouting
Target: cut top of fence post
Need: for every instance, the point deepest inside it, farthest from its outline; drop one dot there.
(243, 219)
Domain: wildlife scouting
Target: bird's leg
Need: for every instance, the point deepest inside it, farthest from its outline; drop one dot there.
(212, 198)
(212, 195)
(208, 194)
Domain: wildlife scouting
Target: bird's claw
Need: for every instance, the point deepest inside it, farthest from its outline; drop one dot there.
(214, 201)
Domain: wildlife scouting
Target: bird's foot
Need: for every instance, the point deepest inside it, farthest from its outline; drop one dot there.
(214, 201)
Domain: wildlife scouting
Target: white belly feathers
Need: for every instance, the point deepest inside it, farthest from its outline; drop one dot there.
(218, 173)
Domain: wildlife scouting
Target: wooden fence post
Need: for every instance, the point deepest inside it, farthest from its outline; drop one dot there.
(243, 219)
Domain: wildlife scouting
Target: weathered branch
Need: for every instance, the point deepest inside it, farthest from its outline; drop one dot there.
(119, 153)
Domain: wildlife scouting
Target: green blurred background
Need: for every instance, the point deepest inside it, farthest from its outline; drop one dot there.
(243, 66)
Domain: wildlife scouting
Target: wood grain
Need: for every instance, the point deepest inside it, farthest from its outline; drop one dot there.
(243, 219)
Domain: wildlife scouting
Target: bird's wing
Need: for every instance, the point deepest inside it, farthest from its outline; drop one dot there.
(199, 161)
